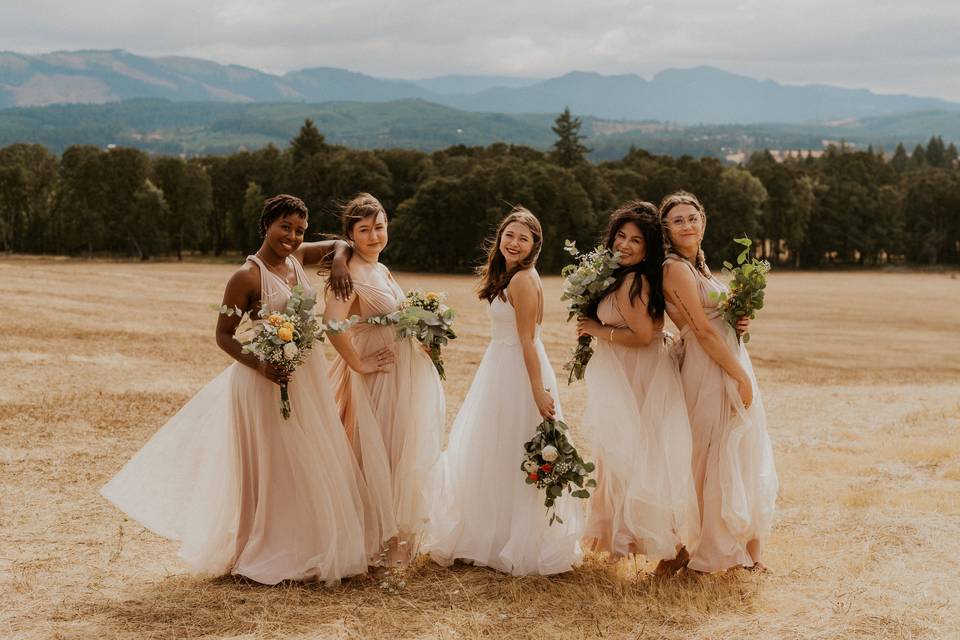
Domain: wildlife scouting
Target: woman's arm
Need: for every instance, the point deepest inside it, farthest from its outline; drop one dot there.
(640, 329)
(310, 253)
(339, 309)
(680, 287)
(241, 293)
(523, 292)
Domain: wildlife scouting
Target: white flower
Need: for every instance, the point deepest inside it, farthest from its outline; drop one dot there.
(550, 453)
(290, 351)
(530, 466)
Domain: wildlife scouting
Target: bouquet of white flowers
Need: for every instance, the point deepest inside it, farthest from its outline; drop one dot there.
(284, 339)
(747, 282)
(551, 462)
(425, 318)
(585, 283)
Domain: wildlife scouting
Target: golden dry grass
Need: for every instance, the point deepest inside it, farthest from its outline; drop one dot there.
(860, 374)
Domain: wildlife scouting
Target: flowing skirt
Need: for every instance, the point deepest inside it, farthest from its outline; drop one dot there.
(394, 422)
(249, 493)
(645, 501)
(733, 464)
(485, 512)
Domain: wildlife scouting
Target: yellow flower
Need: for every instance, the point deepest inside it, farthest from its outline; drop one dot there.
(275, 319)
(432, 297)
(285, 333)
(287, 325)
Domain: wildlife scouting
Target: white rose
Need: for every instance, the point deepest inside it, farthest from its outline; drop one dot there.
(550, 453)
(529, 466)
(290, 351)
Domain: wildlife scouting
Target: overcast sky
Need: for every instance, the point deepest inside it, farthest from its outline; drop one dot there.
(888, 47)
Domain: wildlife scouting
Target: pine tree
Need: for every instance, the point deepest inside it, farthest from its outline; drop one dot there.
(900, 159)
(951, 156)
(308, 142)
(919, 157)
(567, 150)
(935, 152)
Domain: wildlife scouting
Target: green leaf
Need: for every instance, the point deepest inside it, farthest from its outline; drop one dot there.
(580, 493)
(744, 241)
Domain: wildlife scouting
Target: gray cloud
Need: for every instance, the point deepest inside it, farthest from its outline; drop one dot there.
(889, 47)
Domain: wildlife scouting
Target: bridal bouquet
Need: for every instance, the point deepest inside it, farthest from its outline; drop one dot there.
(284, 339)
(746, 282)
(552, 463)
(585, 282)
(424, 317)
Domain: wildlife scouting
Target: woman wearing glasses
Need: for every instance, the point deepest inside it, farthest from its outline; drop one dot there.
(733, 465)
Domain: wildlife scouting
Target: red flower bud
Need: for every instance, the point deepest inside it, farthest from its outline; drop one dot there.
(546, 467)
(533, 476)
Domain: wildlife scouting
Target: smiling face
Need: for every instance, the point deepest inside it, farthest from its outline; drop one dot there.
(285, 234)
(369, 235)
(685, 224)
(629, 242)
(516, 243)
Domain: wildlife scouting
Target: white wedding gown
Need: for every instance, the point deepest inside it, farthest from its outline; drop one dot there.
(485, 512)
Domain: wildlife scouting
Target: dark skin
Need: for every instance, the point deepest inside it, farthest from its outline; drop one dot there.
(283, 238)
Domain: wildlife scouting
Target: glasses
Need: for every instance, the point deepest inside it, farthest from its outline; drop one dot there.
(680, 222)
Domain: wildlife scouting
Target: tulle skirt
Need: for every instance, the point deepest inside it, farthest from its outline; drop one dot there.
(733, 464)
(645, 501)
(249, 493)
(394, 422)
(485, 512)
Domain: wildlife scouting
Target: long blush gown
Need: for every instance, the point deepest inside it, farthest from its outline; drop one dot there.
(394, 419)
(733, 465)
(247, 492)
(485, 512)
(645, 501)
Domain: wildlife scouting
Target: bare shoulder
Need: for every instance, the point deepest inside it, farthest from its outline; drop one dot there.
(244, 284)
(677, 273)
(524, 282)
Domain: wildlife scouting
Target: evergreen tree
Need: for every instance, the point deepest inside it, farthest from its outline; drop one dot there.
(935, 152)
(307, 143)
(918, 158)
(900, 160)
(950, 156)
(567, 150)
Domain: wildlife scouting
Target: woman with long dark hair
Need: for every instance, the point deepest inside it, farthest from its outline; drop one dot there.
(484, 512)
(645, 501)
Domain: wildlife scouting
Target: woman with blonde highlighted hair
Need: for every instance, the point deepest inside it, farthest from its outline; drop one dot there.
(733, 466)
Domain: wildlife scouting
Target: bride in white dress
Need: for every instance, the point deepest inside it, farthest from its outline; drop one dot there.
(242, 489)
(485, 513)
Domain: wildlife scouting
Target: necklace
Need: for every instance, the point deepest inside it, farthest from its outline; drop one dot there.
(284, 276)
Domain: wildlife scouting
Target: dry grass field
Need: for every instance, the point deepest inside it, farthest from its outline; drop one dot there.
(860, 374)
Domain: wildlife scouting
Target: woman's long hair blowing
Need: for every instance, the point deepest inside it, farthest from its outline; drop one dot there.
(494, 275)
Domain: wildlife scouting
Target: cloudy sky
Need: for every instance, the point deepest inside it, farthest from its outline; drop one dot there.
(888, 47)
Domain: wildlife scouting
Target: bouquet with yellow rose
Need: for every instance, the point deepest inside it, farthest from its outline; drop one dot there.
(425, 318)
(283, 339)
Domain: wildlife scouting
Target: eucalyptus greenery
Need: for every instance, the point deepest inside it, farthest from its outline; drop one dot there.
(585, 283)
(746, 283)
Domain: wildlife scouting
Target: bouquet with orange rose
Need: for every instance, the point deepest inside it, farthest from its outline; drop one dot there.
(284, 339)
(551, 462)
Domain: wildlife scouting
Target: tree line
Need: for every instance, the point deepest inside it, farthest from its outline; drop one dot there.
(845, 207)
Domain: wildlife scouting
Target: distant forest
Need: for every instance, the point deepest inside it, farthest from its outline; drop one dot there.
(845, 207)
